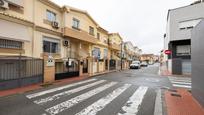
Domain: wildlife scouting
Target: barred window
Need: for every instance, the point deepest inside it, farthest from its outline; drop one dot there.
(10, 44)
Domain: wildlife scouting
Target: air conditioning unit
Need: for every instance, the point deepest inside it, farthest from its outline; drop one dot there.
(4, 4)
(55, 24)
(66, 43)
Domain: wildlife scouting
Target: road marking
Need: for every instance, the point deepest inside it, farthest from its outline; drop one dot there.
(158, 104)
(184, 83)
(100, 104)
(180, 82)
(66, 93)
(69, 103)
(183, 86)
(134, 102)
(180, 79)
(58, 88)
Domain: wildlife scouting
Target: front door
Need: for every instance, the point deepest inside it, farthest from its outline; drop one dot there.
(85, 66)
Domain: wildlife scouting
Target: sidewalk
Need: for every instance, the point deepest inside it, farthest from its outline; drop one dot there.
(182, 102)
(164, 70)
(40, 85)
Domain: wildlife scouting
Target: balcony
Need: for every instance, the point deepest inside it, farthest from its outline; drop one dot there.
(115, 47)
(80, 35)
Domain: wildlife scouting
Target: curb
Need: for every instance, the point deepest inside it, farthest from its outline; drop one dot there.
(158, 104)
(103, 73)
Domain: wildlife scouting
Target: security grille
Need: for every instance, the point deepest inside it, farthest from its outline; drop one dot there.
(10, 44)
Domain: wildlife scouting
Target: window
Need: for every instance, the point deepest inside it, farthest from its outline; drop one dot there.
(75, 23)
(96, 53)
(50, 46)
(183, 50)
(51, 16)
(191, 27)
(105, 41)
(105, 53)
(91, 30)
(17, 3)
(182, 28)
(10, 44)
(98, 36)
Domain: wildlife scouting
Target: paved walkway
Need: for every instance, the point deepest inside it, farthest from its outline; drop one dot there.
(164, 71)
(182, 103)
(39, 86)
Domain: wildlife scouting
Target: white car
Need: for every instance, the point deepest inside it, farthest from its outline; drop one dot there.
(144, 64)
(135, 65)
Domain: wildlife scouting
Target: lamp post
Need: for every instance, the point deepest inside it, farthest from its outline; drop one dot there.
(121, 59)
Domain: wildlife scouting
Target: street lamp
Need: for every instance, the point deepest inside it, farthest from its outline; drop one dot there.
(121, 55)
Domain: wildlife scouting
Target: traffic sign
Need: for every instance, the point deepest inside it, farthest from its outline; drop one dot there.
(168, 52)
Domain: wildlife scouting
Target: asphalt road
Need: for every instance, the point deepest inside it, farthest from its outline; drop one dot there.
(130, 92)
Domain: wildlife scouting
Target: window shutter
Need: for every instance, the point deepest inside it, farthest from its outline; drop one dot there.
(18, 3)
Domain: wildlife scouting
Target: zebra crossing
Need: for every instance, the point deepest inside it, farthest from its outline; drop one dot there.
(181, 82)
(57, 101)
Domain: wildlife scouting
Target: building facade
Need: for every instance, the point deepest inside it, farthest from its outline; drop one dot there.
(197, 63)
(149, 58)
(115, 46)
(29, 37)
(180, 22)
(44, 42)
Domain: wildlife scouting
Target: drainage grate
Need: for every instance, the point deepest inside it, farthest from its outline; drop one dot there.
(175, 95)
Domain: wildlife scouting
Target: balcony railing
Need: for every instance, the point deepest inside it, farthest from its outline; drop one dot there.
(80, 35)
(115, 47)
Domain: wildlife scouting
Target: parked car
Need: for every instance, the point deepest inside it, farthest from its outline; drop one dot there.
(144, 64)
(135, 65)
(151, 63)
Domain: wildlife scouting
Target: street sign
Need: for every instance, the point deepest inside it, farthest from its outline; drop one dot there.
(168, 52)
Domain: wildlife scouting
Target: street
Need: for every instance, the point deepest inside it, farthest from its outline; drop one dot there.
(118, 93)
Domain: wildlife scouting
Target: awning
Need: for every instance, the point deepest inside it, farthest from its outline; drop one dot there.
(14, 31)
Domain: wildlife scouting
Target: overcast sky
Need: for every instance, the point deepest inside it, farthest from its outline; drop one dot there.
(143, 22)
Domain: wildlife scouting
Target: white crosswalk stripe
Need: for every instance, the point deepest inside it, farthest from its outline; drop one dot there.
(134, 102)
(66, 93)
(57, 101)
(101, 103)
(181, 82)
(58, 89)
(69, 103)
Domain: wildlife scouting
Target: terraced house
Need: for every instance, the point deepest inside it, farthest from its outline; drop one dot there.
(43, 42)
(32, 32)
(88, 41)
(115, 42)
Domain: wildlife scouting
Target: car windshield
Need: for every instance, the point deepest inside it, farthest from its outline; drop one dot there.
(135, 62)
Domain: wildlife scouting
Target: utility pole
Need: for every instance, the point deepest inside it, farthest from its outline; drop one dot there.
(121, 55)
